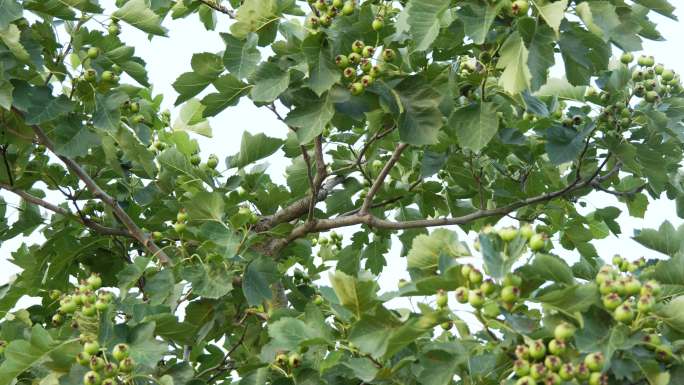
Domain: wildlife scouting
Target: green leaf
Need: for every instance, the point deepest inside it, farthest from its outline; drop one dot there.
(129, 276)
(673, 313)
(6, 89)
(516, 74)
(497, 263)
(311, 119)
(577, 298)
(550, 268)
(561, 89)
(39, 104)
(564, 144)
(356, 294)
(254, 148)
(474, 125)
(553, 13)
(602, 19)
(207, 65)
(138, 14)
(71, 138)
(230, 91)
(323, 73)
(269, 82)
(424, 21)
(254, 16)
(420, 118)
(206, 206)
(666, 239)
(584, 54)
(10, 36)
(10, 10)
(663, 7)
(191, 118)
(427, 249)
(107, 115)
(256, 283)
(188, 85)
(145, 349)
(241, 56)
(477, 18)
(541, 56)
(209, 280)
(291, 333)
(21, 355)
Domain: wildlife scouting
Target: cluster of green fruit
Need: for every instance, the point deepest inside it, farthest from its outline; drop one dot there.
(358, 68)
(107, 78)
(181, 221)
(651, 81)
(83, 304)
(288, 361)
(550, 364)
(105, 369)
(335, 240)
(325, 11)
(536, 241)
(212, 160)
(629, 299)
(114, 28)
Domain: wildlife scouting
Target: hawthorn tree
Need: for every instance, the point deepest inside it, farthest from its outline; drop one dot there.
(165, 265)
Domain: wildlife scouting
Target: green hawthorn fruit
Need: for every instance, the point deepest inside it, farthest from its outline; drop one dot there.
(127, 365)
(488, 287)
(537, 242)
(107, 76)
(446, 325)
(520, 7)
(598, 379)
(110, 370)
(349, 73)
(113, 29)
(120, 352)
(101, 305)
(109, 381)
(511, 279)
(442, 299)
(321, 5)
(83, 358)
(475, 277)
(91, 347)
(663, 353)
(508, 234)
(212, 161)
(90, 75)
(377, 24)
(608, 286)
(527, 380)
(466, 269)
(567, 372)
(582, 372)
(195, 160)
(117, 69)
(650, 84)
(93, 52)
(180, 227)
(281, 360)
(537, 349)
(96, 363)
(318, 300)
(538, 371)
(564, 331)
(375, 71)
(557, 347)
(652, 340)
(367, 51)
(341, 61)
(627, 58)
(526, 231)
(667, 75)
(611, 301)
(294, 360)
(338, 4)
(521, 367)
(68, 305)
(632, 286)
(522, 352)
(461, 294)
(651, 287)
(642, 60)
(325, 20)
(354, 58)
(348, 8)
(181, 216)
(624, 313)
(552, 379)
(357, 46)
(94, 281)
(645, 304)
(57, 319)
(491, 310)
(617, 260)
(356, 88)
(366, 65)
(388, 55)
(55, 294)
(91, 378)
(510, 294)
(476, 299)
(553, 363)
(594, 361)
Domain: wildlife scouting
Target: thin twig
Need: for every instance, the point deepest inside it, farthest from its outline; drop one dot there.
(215, 5)
(381, 178)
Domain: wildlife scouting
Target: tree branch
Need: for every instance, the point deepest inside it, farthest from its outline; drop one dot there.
(134, 231)
(8, 169)
(312, 183)
(61, 211)
(381, 178)
(215, 5)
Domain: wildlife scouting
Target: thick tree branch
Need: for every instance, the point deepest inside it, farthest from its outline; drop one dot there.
(377, 184)
(61, 211)
(133, 229)
(312, 183)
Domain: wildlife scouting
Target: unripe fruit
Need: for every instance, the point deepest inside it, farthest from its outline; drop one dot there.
(93, 52)
(377, 24)
(617, 260)
(598, 379)
(356, 88)
(461, 294)
(341, 61)
(537, 350)
(212, 161)
(663, 353)
(325, 20)
(564, 331)
(57, 319)
(557, 347)
(552, 379)
(110, 370)
(357, 46)
(522, 352)
(594, 361)
(90, 75)
(114, 29)
(553, 363)
(368, 51)
(512, 280)
(120, 352)
(567, 372)
(101, 305)
(624, 313)
(94, 281)
(537, 242)
(67, 305)
(508, 234)
(108, 381)
(520, 7)
(294, 360)
(96, 363)
(446, 325)
(510, 294)
(127, 365)
(375, 71)
(645, 304)
(538, 371)
(83, 358)
(475, 277)
(180, 227)
(476, 298)
(527, 380)
(488, 287)
(667, 75)
(526, 231)
(652, 339)
(521, 367)
(349, 73)
(651, 287)
(365, 65)
(91, 347)
(338, 4)
(348, 8)
(582, 372)
(195, 160)
(108, 76)
(388, 55)
(442, 299)
(91, 378)
(627, 58)
(632, 286)
(281, 360)
(466, 269)
(611, 301)
(608, 286)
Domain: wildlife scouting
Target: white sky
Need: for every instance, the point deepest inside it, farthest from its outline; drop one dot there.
(168, 57)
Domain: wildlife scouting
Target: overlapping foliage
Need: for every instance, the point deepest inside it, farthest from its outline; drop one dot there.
(397, 117)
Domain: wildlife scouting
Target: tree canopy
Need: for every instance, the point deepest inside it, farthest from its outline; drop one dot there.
(163, 264)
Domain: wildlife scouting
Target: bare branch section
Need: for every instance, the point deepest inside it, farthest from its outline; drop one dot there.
(66, 213)
(377, 184)
(217, 6)
(133, 230)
